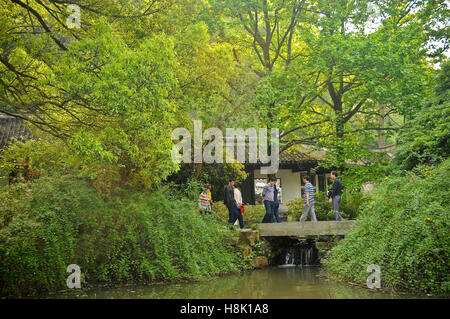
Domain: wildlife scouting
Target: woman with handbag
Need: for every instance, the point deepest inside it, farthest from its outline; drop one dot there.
(238, 212)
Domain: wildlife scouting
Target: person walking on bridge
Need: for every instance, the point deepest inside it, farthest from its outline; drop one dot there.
(309, 200)
(237, 211)
(229, 201)
(268, 200)
(276, 203)
(335, 195)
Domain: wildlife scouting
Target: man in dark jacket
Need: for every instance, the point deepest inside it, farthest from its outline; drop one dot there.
(335, 196)
(276, 204)
(228, 200)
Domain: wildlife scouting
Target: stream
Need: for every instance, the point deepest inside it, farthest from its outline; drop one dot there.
(271, 282)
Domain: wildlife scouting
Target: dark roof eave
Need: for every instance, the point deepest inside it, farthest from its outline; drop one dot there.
(299, 163)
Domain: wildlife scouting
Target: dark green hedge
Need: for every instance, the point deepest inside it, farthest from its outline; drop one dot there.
(404, 229)
(50, 223)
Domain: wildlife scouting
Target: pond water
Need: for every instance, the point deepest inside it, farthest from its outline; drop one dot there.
(271, 282)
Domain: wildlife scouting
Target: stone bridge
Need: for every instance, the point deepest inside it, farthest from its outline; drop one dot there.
(304, 229)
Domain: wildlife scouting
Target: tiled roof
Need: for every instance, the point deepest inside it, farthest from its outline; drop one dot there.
(12, 127)
(295, 156)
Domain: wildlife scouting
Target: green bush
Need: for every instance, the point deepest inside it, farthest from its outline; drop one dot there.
(349, 207)
(37, 233)
(216, 174)
(351, 202)
(50, 223)
(220, 210)
(253, 213)
(403, 229)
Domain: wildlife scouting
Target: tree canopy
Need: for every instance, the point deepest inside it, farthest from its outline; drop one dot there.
(345, 75)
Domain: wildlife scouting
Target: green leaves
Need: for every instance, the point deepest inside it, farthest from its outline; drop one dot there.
(119, 109)
(403, 228)
(142, 238)
(425, 138)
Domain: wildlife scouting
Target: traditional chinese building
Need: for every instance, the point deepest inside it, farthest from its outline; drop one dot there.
(13, 129)
(293, 166)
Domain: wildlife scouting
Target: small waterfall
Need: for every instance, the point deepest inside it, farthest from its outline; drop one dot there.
(298, 254)
(289, 259)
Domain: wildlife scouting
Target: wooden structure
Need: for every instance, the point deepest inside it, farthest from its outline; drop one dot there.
(293, 166)
(11, 129)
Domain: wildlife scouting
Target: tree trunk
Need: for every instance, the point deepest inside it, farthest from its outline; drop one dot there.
(381, 137)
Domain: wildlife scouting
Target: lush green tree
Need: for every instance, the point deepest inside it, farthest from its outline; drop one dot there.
(343, 77)
(352, 77)
(425, 137)
(102, 92)
(88, 93)
(109, 103)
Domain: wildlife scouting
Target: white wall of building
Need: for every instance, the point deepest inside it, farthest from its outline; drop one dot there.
(290, 183)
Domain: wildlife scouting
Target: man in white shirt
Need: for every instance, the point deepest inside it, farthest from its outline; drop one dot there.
(238, 213)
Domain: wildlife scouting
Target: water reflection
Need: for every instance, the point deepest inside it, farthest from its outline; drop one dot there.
(288, 282)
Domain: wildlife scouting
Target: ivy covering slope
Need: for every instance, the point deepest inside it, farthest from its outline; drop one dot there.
(404, 229)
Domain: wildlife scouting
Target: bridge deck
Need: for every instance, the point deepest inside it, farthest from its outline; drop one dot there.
(302, 229)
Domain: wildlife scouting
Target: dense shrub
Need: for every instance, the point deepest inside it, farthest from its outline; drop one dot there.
(50, 223)
(403, 229)
(425, 139)
(216, 174)
(349, 207)
(220, 210)
(253, 213)
(351, 202)
(37, 235)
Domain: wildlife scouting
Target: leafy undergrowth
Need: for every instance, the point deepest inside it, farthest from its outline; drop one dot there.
(53, 222)
(404, 229)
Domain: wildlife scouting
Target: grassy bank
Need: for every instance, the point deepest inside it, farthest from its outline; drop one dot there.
(48, 224)
(404, 229)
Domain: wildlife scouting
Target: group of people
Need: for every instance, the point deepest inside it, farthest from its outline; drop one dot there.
(232, 200)
(271, 204)
(234, 204)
